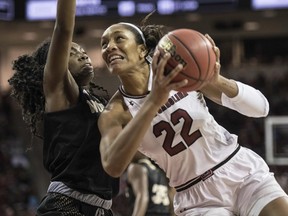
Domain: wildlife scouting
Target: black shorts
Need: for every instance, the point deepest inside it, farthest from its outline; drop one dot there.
(55, 204)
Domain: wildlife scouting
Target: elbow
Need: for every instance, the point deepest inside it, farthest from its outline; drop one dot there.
(264, 110)
(115, 173)
(112, 163)
(260, 111)
(113, 169)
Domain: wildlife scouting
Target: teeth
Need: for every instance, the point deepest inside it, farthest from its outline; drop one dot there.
(112, 58)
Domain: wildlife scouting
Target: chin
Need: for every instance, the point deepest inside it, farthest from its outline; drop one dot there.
(85, 78)
(85, 70)
(115, 70)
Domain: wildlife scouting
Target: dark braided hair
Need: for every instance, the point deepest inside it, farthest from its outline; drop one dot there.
(27, 86)
(152, 33)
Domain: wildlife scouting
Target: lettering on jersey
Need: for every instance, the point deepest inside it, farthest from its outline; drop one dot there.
(95, 106)
(99, 212)
(172, 100)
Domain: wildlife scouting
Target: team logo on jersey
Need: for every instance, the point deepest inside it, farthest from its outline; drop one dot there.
(94, 105)
(99, 212)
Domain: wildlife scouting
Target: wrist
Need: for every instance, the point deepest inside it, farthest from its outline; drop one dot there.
(228, 87)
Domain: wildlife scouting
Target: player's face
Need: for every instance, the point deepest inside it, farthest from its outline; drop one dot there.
(119, 49)
(80, 65)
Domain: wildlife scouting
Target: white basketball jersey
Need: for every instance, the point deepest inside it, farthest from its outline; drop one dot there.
(184, 139)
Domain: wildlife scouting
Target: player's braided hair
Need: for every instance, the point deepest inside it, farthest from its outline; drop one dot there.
(27, 86)
(152, 33)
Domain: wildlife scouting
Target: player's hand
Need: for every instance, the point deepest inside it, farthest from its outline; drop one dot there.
(217, 67)
(163, 84)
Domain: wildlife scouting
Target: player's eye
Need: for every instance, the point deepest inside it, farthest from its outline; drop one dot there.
(119, 38)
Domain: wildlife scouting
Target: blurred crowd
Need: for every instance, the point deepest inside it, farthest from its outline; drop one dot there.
(19, 196)
(17, 193)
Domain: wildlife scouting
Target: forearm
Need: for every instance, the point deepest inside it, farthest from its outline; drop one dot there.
(124, 144)
(56, 69)
(214, 90)
(227, 86)
(237, 96)
(140, 205)
(249, 101)
(66, 15)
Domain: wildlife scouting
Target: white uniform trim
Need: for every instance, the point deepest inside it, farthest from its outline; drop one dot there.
(185, 141)
(242, 186)
(91, 199)
(188, 152)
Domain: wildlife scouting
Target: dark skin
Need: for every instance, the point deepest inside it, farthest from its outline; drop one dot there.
(122, 134)
(68, 65)
(137, 176)
(125, 58)
(278, 207)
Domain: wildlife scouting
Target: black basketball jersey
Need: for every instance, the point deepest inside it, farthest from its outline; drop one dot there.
(158, 190)
(71, 148)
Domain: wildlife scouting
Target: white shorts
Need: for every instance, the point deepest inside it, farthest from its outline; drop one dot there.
(242, 186)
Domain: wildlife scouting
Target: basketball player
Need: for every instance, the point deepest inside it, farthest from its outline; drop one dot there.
(211, 172)
(144, 190)
(53, 84)
(148, 189)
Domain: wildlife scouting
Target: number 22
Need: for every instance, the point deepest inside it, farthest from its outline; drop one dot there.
(189, 139)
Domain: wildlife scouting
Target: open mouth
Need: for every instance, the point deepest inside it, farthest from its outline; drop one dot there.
(88, 68)
(114, 58)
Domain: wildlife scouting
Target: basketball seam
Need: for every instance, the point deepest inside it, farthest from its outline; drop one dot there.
(183, 74)
(199, 77)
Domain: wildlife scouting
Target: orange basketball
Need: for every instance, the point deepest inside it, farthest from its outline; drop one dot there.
(194, 51)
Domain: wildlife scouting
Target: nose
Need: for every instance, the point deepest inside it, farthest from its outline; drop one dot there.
(111, 46)
(83, 57)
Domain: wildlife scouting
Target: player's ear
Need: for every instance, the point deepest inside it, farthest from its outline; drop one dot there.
(143, 50)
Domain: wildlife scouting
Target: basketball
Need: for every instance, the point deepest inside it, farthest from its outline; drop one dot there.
(194, 51)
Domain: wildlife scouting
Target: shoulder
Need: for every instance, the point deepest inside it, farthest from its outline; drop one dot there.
(116, 110)
(116, 103)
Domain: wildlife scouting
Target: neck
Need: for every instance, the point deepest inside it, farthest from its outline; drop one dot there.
(136, 83)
